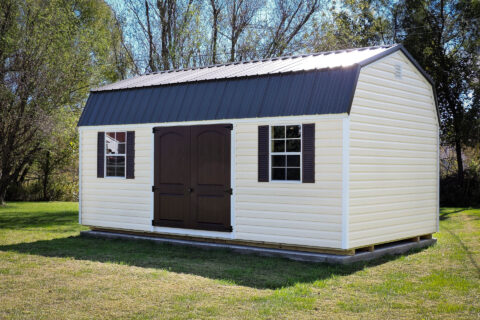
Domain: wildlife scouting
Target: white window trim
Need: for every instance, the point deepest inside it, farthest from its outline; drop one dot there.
(114, 155)
(270, 153)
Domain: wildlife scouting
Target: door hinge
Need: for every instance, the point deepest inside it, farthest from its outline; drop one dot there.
(229, 126)
(153, 130)
(229, 191)
(153, 188)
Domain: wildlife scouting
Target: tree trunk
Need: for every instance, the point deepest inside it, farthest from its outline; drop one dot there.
(164, 8)
(214, 40)
(233, 24)
(232, 52)
(3, 192)
(457, 125)
(215, 12)
(46, 175)
(151, 61)
(458, 149)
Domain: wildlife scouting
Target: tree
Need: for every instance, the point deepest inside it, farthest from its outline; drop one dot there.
(165, 33)
(240, 14)
(170, 34)
(216, 7)
(51, 53)
(353, 24)
(444, 38)
(289, 17)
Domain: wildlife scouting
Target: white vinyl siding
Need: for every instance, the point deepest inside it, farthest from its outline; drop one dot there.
(393, 169)
(307, 214)
(116, 203)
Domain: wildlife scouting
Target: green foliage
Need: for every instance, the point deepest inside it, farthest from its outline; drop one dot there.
(352, 24)
(468, 194)
(444, 37)
(51, 54)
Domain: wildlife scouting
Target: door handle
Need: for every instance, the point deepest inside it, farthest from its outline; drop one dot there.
(190, 190)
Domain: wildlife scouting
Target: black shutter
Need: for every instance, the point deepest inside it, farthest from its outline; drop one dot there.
(263, 154)
(130, 154)
(101, 155)
(308, 153)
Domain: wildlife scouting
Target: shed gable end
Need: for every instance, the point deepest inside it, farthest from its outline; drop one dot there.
(393, 169)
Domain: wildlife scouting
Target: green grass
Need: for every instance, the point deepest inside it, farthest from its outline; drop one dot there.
(48, 272)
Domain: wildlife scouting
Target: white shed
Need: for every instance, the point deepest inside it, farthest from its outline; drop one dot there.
(325, 152)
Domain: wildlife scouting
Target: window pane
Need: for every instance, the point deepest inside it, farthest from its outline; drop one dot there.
(278, 132)
(278, 145)
(111, 135)
(110, 171)
(278, 161)
(293, 145)
(111, 161)
(293, 132)
(120, 167)
(111, 164)
(278, 174)
(293, 174)
(121, 148)
(120, 136)
(111, 145)
(115, 166)
(293, 161)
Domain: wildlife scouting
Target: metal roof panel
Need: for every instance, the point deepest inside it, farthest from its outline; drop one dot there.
(300, 93)
(314, 61)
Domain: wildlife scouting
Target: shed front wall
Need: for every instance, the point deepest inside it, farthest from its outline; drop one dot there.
(304, 214)
(393, 155)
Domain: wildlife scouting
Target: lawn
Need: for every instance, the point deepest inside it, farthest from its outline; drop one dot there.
(48, 272)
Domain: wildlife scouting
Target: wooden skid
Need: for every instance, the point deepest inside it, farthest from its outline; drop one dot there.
(371, 248)
(232, 241)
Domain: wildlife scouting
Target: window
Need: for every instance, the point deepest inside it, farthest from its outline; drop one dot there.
(115, 147)
(285, 153)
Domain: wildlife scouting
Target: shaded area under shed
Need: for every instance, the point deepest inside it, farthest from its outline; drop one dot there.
(394, 248)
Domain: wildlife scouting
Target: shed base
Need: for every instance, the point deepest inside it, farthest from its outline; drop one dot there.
(387, 249)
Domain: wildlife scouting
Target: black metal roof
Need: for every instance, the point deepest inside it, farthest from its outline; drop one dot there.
(281, 89)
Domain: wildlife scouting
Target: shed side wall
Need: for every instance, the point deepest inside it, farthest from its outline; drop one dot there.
(291, 213)
(117, 202)
(393, 168)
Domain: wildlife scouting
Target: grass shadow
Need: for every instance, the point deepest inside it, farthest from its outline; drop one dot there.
(445, 215)
(223, 265)
(465, 248)
(38, 219)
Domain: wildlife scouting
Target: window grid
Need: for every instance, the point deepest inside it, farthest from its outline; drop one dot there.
(292, 172)
(118, 166)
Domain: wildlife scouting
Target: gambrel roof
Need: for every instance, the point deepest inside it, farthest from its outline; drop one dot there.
(318, 83)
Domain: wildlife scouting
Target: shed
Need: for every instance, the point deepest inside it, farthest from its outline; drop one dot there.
(324, 152)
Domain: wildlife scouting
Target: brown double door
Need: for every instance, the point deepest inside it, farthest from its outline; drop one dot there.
(192, 177)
